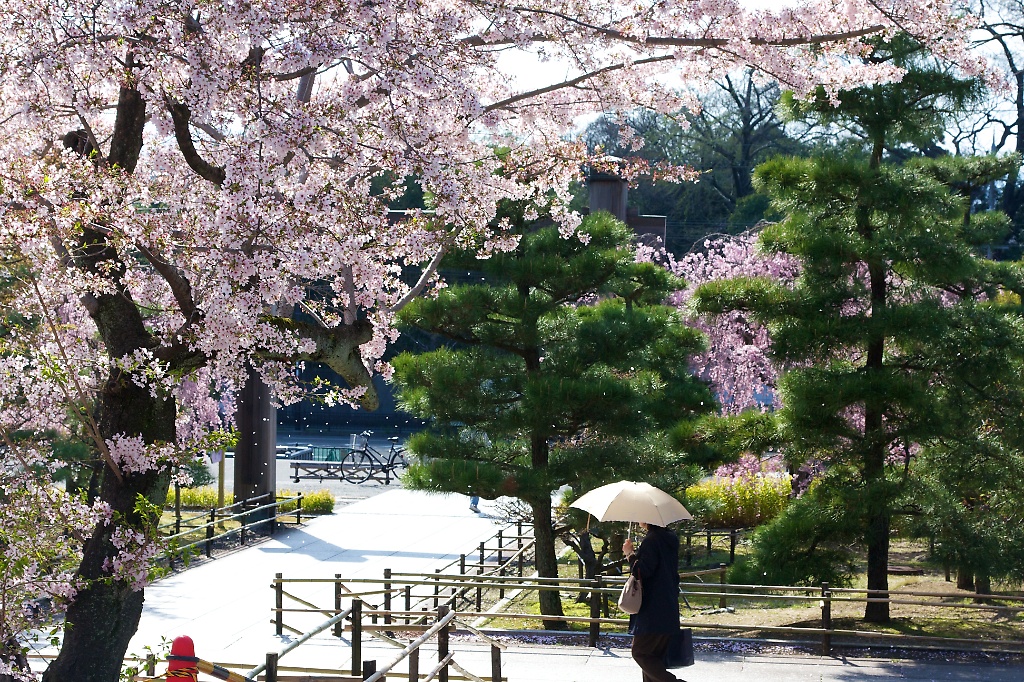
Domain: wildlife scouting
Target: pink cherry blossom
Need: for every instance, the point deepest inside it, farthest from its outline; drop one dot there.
(176, 178)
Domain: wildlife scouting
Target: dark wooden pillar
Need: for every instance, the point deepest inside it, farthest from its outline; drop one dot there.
(256, 451)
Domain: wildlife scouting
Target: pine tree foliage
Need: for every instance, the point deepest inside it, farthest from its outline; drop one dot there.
(889, 324)
(563, 368)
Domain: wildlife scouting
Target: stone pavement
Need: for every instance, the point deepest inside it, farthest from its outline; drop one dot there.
(225, 606)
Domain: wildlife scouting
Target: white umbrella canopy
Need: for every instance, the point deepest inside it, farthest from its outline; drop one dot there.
(632, 501)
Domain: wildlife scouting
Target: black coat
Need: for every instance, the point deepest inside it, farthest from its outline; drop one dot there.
(656, 563)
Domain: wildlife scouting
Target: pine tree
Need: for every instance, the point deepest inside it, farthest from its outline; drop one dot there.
(563, 368)
(889, 276)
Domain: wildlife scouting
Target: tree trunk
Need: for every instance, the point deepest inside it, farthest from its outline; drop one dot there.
(983, 585)
(965, 579)
(12, 655)
(547, 563)
(588, 558)
(878, 566)
(104, 616)
(875, 439)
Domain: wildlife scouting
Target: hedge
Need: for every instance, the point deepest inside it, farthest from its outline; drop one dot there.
(205, 497)
(743, 502)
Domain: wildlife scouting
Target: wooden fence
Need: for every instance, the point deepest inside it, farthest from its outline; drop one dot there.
(418, 592)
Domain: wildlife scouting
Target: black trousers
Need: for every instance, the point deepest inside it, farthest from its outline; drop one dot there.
(649, 653)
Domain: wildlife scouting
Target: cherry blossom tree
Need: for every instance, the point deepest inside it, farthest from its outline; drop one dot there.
(176, 175)
(737, 362)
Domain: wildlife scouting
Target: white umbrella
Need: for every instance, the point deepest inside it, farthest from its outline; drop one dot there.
(632, 501)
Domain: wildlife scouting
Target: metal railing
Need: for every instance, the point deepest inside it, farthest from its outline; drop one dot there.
(250, 514)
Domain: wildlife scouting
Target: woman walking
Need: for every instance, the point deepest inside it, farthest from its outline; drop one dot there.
(656, 564)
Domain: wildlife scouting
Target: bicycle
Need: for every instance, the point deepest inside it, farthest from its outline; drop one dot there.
(363, 461)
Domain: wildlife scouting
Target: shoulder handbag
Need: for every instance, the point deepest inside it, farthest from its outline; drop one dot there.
(632, 595)
(679, 653)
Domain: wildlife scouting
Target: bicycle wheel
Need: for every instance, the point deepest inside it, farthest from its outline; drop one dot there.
(356, 467)
(397, 459)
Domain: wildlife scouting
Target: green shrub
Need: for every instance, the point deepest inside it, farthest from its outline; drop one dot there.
(738, 502)
(319, 502)
(204, 497)
(810, 542)
(201, 475)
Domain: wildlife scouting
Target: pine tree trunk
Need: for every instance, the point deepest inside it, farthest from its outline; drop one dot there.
(983, 586)
(964, 579)
(878, 567)
(877, 520)
(878, 515)
(547, 562)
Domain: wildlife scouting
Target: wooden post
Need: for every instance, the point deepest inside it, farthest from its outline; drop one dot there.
(689, 549)
(732, 545)
(220, 481)
(369, 668)
(209, 533)
(437, 589)
(442, 644)
(826, 620)
(278, 605)
(479, 589)
(177, 508)
(298, 510)
(241, 533)
(462, 564)
(414, 665)
(501, 565)
(357, 636)
(387, 596)
(271, 674)
(721, 581)
(595, 612)
(408, 602)
(709, 546)
(339, 626)
(519, 546)
(151, 665)
(495, 664)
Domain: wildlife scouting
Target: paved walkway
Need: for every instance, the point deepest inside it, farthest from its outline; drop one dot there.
(225, 605)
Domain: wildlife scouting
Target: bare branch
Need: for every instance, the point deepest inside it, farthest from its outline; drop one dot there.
(83, 403)
(336, 347)
(669, 41)
(350, 294)
(571, 83)
(427, 273)
(181, 289)
(180, 115)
